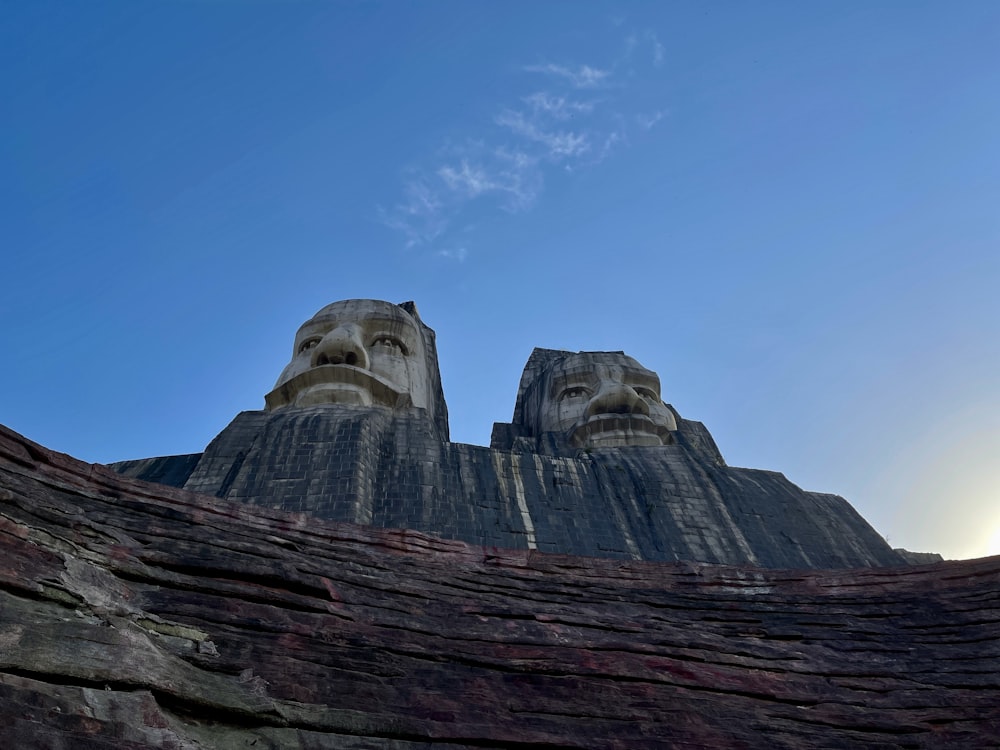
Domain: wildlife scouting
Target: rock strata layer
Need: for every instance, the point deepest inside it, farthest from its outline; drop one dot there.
(137, 615)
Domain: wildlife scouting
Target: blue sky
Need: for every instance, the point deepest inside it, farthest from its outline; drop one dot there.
(788, 210)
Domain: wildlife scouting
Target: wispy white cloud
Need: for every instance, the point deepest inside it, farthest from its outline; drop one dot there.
(646, 43)
(611, 141)
(421, 200)
(418, 216)
(521, 177)
(647, 121)
(505, 165)
(469, 180)
(558, 145)
(458, 254)
(581, 77)
(512, 175)
(659, 52)
(557, 107)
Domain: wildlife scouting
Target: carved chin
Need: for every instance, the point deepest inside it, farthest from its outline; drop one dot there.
(336, 384)
(616, 430)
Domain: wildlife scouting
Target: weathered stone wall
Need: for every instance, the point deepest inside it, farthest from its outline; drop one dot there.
(389, 469)
(135, 615)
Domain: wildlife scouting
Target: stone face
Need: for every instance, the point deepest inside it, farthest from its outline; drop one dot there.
(136, 615)
(593, 400)
(592, 463)
(365, 353)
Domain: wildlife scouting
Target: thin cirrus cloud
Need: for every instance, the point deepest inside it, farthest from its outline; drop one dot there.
(571, 117)
(512, 175)
(556, 145)
(557, 107)
(647, 121)
(419, 216)
(582, 77)
(457, 254)
(646, 40)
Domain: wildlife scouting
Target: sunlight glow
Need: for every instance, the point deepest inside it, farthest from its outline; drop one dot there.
(993, 545)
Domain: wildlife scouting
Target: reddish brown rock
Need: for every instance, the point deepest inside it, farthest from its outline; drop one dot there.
(135, 615)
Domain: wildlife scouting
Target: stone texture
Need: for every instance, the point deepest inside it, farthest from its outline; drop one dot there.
(918, 558)
(594, 462)
(389, 469)
(136, 615)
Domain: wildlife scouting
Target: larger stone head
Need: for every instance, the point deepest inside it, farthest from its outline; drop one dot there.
(592, 400)
(363, 352)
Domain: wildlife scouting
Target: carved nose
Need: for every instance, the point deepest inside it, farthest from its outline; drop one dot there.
(341, 346)
(616, 398)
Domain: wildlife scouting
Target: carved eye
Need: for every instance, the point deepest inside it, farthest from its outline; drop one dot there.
(389, 345)
(309, 344)
(647, 394)
(574, 392)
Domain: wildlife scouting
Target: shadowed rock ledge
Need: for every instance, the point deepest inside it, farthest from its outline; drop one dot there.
(137, 615)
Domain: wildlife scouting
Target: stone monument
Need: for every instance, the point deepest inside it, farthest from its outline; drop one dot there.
(593, 400)
(363, 353)
(593, 462)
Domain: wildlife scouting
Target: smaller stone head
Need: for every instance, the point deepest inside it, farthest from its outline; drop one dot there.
(363, 352)
(592, 400)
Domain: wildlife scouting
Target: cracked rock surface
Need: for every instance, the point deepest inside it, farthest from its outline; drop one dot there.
(135, 615)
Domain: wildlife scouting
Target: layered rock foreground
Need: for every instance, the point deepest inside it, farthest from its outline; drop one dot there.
(138, 615)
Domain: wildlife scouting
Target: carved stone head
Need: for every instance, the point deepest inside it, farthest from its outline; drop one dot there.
(363, 352)
(592, 400)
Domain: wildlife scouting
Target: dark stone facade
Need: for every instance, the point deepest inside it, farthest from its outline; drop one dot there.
(390, 470)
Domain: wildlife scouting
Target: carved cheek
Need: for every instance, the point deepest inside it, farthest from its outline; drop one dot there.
(390, 368)
(419, 382)
(547, 415)
(663, 416)
(299, 364)
(571, 411)
(408, 379)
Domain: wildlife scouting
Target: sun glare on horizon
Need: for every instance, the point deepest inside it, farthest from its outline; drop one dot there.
(993, 544)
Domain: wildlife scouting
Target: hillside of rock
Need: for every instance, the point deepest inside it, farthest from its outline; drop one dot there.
(136, 615)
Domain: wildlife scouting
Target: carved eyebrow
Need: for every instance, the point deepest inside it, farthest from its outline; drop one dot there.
(392, 323)
(396, 326)
(580, 378)
(586, 377)
(381, 333)
(403, 330)
(645, 379)
(308, 332)
(323, 324)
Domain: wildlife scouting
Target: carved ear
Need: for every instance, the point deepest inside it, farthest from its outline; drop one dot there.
(411, 308)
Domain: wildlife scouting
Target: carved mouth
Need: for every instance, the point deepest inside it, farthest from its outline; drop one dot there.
(611, 430)
(336, 384)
